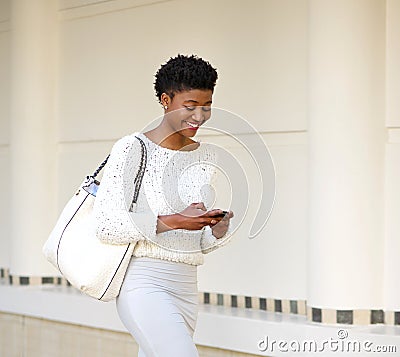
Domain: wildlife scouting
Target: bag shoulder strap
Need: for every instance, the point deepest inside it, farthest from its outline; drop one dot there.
(97, 171)
(140, 174)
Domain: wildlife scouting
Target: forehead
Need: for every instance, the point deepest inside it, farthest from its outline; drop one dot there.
(195, 96)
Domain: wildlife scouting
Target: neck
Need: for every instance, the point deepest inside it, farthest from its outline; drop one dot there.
(165, 136)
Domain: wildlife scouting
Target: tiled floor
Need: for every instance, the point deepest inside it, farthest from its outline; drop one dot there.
(32, 337)
(35, 337)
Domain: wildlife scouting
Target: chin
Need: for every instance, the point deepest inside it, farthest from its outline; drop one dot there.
(187, 132)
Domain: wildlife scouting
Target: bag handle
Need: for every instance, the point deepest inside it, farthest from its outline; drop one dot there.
(100, 167)
(140, 174)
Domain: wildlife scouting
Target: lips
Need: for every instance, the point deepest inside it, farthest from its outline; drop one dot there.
(192, 126)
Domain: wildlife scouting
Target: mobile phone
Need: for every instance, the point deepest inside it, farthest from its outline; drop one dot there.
(221, 215)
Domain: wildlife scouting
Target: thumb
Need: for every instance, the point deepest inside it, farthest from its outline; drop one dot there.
(200, 205)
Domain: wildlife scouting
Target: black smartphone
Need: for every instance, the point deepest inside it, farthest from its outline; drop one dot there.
(221, 215)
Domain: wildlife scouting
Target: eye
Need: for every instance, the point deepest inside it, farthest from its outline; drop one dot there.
(205, 108)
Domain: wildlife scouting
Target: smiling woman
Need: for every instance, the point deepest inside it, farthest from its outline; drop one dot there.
(172, 227)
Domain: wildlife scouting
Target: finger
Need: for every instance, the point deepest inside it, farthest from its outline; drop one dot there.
(228, 216)
(215, 212)
(221, 221)
(215, 220)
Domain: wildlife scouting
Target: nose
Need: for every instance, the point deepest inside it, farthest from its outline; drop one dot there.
(198, 115)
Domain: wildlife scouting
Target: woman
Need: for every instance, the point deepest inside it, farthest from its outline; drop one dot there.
(172, 224)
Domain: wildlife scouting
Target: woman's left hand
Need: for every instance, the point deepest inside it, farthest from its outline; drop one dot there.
(220, 228)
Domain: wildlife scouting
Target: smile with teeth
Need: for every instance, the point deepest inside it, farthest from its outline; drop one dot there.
(191, 124)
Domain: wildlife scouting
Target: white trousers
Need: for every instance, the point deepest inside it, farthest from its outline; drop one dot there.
(158, 304)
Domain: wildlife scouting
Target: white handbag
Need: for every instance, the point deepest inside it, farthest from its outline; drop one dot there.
(95, 268)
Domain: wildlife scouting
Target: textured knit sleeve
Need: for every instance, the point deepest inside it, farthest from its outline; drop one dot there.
(115, 224)
(208, 241)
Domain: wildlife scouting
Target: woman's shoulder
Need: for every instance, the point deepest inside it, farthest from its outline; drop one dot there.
(127, 139)
(126, 144)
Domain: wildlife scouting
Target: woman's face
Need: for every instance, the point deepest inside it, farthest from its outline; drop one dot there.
(188, 110)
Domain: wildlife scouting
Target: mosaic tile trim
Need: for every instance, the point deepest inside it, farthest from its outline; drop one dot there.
(254, 302)
(9, 279)
(328, 316)
(353, 317)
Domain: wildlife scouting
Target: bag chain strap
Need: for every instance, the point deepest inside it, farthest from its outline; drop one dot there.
(100, 167)
(139, 176)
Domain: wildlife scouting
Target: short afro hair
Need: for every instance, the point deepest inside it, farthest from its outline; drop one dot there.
(183, 73)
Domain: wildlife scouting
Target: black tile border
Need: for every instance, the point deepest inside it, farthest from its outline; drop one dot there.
(353, 317)
(24, 280)
(278, 305)
(220, 299)
(377, 317)
(316, 315)
(10, 279)
(313, 314)
(206, 298)
(293, 307)
(234, 301)
(247, 302)
(263, 303)
(48, 280)
(344, 317)
(253, 302)
(397, 317)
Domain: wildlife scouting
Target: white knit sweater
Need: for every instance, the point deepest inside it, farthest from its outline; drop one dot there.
(172, 181)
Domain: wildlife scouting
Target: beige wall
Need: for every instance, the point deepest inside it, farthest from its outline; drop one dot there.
(108, 54)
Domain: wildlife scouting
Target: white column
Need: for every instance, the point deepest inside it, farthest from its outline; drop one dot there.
(392, 261)
(346, 142)
(4, 133)
(32, 132)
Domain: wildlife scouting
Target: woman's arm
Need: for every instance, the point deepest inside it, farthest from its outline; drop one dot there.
(167, 223)
(114, 223)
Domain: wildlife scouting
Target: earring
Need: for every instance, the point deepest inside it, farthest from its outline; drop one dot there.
(165, 107)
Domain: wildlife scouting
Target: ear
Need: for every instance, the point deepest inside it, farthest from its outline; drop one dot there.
(165, 99)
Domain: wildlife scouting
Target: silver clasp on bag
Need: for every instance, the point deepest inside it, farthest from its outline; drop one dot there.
(91, 185)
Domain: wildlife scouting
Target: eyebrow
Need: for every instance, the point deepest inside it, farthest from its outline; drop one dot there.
(195, 101)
